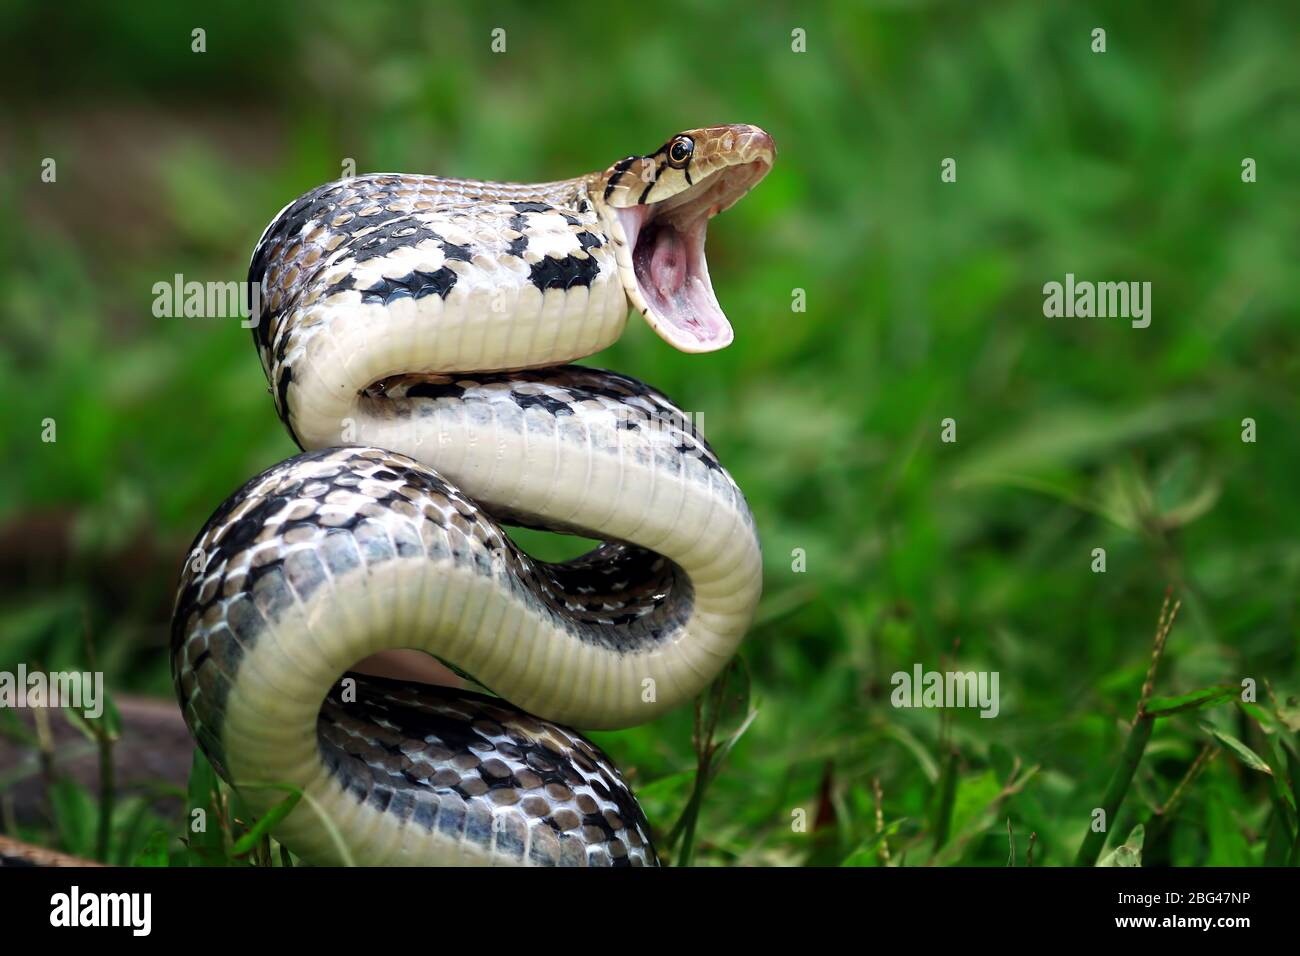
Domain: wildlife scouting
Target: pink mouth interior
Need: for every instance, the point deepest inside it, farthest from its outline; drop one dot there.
(672, 275)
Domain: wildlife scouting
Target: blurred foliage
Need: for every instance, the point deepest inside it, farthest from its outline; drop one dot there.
(924, 301)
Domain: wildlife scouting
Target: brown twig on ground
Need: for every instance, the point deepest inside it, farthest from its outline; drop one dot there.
(17, 853)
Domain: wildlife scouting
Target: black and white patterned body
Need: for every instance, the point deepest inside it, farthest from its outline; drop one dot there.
(413, 330)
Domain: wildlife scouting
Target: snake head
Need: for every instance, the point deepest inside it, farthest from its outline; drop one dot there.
(657, 209)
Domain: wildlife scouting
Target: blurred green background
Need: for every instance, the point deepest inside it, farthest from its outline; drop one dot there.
(924, 302)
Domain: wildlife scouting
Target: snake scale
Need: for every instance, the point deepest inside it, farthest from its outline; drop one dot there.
(414, 331)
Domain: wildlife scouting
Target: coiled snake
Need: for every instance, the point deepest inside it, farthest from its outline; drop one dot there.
(412, 329)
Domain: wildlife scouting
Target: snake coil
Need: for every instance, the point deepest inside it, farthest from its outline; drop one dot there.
(414, 331)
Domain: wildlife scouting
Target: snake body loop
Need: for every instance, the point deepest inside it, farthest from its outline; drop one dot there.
(413, 330)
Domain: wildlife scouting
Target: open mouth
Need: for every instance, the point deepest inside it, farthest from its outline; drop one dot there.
(672, 275)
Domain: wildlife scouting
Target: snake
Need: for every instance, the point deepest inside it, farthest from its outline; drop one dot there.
(418, 336)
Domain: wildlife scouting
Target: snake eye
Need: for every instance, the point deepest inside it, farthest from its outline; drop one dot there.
(679, 153)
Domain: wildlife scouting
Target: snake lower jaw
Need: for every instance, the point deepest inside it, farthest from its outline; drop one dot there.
(672, 282)
(669, 282)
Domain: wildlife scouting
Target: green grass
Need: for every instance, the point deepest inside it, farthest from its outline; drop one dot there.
(924, 302)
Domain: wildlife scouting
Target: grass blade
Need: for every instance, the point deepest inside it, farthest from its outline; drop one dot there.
(1247, 756)
(154, 852)
(1116, 790)
(1128, 853)
(262, 828)
(1195, 700)
(941, 820)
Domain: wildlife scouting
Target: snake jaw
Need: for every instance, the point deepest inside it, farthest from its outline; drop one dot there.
(657, 209)
(666, 274)
(668, 280)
